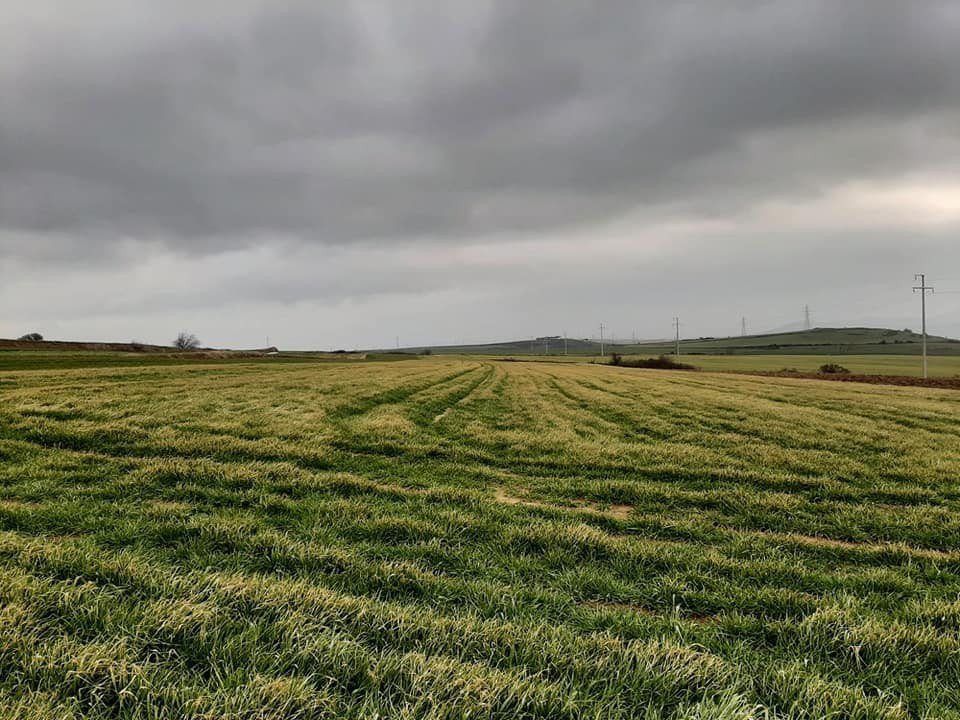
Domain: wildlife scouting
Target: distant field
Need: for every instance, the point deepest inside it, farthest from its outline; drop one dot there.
(73, 359)
(865, 364)
(818, 341)
(938, 366)
(453, 538)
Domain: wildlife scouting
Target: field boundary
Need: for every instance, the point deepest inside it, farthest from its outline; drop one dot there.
(940, 383)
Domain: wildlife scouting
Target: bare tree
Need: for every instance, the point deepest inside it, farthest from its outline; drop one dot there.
(186, 341)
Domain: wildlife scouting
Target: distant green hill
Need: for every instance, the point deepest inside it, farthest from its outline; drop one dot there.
(818, 341)
(836, 341)
(540, 346)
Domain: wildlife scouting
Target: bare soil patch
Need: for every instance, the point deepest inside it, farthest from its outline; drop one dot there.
(619, 512)
(946, 383)
(168, 506)
(17, 505)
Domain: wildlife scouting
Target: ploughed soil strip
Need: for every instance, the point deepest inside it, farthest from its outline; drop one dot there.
(620, 512)
(945, 383)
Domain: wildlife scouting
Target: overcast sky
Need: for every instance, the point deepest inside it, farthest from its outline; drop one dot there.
(337, 174)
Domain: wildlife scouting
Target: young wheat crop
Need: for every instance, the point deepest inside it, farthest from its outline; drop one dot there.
(448, 538)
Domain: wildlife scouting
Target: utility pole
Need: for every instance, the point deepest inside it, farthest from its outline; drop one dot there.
(676, 325)
(398, 342)
(806, 317)
(564, 342)
(743, 327)
(546, 346)
(601, 339)
(923, 288)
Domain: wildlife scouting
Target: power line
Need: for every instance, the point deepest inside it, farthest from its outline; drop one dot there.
(923, 288)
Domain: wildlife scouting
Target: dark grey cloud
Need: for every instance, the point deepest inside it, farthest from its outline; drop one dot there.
(340, 171)
(211, 128)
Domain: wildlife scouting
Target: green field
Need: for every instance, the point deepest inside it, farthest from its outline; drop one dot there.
(60, 360)
(456, 538)
(818, 341)
(910, 365)
(939, 366)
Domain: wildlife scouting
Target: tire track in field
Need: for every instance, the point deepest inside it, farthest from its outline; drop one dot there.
(675, 487)
(607, 417)
(486, 391)
(427, 414)
(783, 436)
(835, 405)
(559, 470)
(416, 405)
(680, 414)
(658, 422)
(136, 442)
(402, 425)
(394, 395)
(797, 478)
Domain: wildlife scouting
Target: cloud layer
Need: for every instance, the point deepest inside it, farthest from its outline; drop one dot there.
(398, 145)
